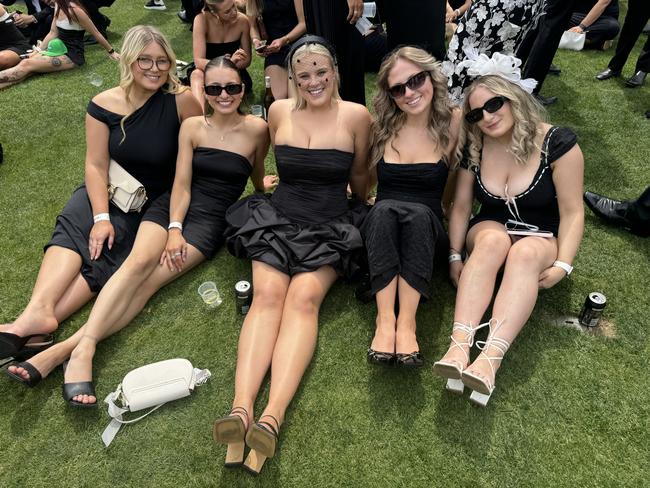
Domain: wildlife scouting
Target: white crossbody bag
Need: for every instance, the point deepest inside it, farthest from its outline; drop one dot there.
(124, 191)
(151, 386)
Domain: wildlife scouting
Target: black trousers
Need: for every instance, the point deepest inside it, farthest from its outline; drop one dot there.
(638, 13)
(638, 214)
(539, 46)
(416, 22)
(604, 29)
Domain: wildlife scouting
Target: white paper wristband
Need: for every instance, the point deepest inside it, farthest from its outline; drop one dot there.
(455, 257)
(101, 217)
(175, 225)
(565, 266)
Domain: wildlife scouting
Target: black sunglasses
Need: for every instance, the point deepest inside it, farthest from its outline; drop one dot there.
(413, 83)
(215, 90)
(491, 106)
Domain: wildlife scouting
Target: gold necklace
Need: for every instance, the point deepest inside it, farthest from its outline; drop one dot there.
(223, 135)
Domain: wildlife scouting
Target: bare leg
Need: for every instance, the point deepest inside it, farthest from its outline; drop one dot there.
(384, 340)
(35, 64)
(197, 79)
(297, 338)
(279, 81)
(8, 59)
(409, 299)
(517, 295)
(259, 333)
(75, 297)
(489, 245)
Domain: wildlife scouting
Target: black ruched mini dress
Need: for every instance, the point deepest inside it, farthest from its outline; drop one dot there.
(218, 180)
(537, 205)
(148, 153)
(403, 231)
(308, 222)
(216, 49)
(279, 17)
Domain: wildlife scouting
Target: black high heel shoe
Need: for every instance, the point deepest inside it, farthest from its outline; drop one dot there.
(262, 438)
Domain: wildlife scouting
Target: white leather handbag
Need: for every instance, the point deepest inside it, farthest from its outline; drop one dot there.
(573, 41)
(124, 191)
(151, 386)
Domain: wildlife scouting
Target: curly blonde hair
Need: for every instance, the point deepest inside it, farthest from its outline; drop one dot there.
(528, 117)
(136, 39)
(311, 48)
(389, 118)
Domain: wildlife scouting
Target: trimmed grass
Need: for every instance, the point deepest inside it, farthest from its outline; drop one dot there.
(570, 409)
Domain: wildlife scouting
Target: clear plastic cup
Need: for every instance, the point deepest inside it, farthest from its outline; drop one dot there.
(95, 79)
(257, 110)
(363, 25)
(369, 9)
(210, 294)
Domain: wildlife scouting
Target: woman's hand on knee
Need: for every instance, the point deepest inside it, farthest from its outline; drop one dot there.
(175, 252)
(455, 269)
(101, 232)
(551, 277)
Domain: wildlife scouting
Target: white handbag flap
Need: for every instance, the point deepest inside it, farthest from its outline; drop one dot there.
(157, 383)
(120, 178)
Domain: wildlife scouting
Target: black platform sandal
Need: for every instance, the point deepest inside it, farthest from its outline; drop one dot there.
(231, 430)
(262, 438)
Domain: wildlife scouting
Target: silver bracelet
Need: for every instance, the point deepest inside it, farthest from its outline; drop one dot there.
(100, 217)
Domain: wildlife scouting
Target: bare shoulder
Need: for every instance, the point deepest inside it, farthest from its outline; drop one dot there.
(193, 123)
(280, 108)
(112, 99)
(356, 113)
(256, 126)
(242, 21)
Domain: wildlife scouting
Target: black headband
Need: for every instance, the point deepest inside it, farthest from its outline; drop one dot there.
(310, 39)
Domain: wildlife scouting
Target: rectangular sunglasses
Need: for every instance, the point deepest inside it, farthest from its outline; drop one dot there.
(215, 90)
(413, 83)
(491, 106)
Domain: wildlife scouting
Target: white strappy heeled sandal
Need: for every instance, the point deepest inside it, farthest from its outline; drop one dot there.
(482, 389)
(451, 370)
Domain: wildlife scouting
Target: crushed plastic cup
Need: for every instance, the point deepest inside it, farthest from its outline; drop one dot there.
(210, 294)
(363, 25)
(95, 80)
(257, 110)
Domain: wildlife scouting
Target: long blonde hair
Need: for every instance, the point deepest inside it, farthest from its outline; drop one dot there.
(136, 39)
(527, 113)
(311, 48)
(254, 7)
(389, 118)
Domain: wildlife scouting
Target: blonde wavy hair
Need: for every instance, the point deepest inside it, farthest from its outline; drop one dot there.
(311, 48)
(389, 118)
(528, 117)
(136, 39)
(254, 7)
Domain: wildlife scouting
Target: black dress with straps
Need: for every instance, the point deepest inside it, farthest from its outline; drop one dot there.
(403, 231)
(537, 205)
(148, 153)
(218, 180)
(308, 222)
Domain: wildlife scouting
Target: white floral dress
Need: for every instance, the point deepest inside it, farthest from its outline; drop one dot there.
(488, 26)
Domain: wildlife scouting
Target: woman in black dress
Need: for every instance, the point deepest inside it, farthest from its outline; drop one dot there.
(137, 125)
(220, 30)
(69, 24)
(283, 22)
(414, 135)
(12, 43)
(300, 240)
(217, 153)
(528, 177)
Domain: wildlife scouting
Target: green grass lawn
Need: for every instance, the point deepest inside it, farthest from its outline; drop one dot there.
(570, 409)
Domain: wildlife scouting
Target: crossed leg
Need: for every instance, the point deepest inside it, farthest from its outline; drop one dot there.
(35, 64)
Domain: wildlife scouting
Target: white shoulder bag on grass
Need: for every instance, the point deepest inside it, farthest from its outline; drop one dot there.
(574, 41)
(124, 191)
(151, 386)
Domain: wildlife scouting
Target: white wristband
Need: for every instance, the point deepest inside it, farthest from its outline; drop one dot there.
(455, 257)
(101, 217)
(175, 225)
(565, 266)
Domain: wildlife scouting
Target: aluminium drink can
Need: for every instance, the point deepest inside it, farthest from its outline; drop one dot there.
(592, 309)
(243, 296)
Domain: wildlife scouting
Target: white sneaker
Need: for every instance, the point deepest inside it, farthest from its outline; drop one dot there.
(155, 5)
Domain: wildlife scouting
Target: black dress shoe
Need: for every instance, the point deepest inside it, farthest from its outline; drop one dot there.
(637, 80)
(607, 74)
(647, 116)
(611, 211)
(554, 69)
(545, 100)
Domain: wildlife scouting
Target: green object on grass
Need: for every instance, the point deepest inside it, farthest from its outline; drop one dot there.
(55, 48)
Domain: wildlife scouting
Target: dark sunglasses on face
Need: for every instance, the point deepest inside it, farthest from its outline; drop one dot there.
(413, 83)
(491, 106)
(215, 90)
(147, 63)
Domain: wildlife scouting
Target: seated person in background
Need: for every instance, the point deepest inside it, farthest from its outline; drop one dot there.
(283, 22)
(70, 22)
(633, 215)
(220, 30)
(455, 10)
(12, 43)
(375, 44)
(527, 175)
(598, 19)
(35, 24)
(413, 139)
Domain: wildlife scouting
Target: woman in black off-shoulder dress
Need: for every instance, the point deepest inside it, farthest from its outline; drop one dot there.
(300, 240)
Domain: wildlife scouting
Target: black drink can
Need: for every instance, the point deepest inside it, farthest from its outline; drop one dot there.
(243, 296)
(592, 309)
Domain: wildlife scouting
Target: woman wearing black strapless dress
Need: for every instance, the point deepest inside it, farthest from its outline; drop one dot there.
(300, 240)
(284, 22)
(414, 135)
(183, 228)
(220, 30)
(137, 125)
